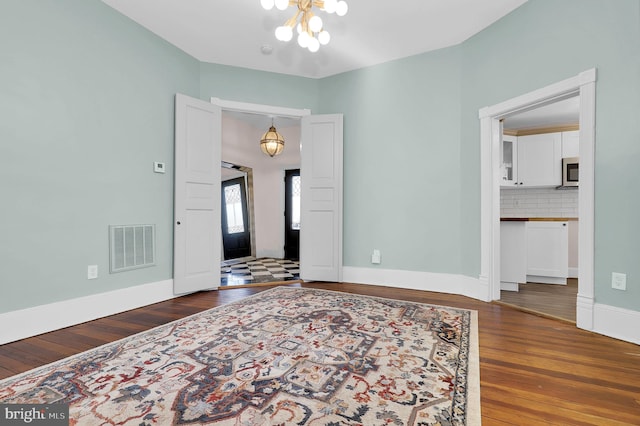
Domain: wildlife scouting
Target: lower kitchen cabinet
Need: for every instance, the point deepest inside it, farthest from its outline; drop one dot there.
(547, 252)
(513, 254)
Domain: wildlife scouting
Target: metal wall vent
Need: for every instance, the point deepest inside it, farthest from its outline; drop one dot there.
(132, 247)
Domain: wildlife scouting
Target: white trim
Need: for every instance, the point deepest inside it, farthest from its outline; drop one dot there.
(584, 84)
(573, 273)
(417, 280)
(509, 286)
(227, 105)
(617, 322)
(546, 280)
(53, 316)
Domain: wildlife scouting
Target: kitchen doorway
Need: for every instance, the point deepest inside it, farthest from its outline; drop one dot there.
(491, 131)
(538, 213)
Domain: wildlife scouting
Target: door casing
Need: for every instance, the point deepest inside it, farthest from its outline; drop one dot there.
(583, 84)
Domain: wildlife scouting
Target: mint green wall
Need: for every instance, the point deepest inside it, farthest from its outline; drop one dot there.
(412, 137)
(259, 87)
(401, 168)
(86, 107)
(542, 42)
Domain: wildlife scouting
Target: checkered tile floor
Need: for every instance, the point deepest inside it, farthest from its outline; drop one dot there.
(261, 270)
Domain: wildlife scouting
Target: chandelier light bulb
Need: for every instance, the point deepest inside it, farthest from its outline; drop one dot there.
(330, 6)
(314, 45)
(309, 26)
(267, 4)
(284, 33)
(281, 4)
(315, 24)
(303, 39)
(324, 37)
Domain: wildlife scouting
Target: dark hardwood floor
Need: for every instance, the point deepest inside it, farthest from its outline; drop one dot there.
(554, 301)
(533, 370)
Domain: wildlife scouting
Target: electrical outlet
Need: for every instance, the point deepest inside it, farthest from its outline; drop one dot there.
(92, 272)
(376, 257)
(618, 281)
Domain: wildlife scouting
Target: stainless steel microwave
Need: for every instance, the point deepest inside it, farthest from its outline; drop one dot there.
(570, 171)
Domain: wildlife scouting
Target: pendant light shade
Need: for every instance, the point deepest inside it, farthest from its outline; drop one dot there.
(272, 142)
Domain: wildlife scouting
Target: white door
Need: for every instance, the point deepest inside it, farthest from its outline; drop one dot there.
(196, 248)
(321, 198)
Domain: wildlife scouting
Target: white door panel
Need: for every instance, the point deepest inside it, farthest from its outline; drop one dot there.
(321, 198)
(197, 195)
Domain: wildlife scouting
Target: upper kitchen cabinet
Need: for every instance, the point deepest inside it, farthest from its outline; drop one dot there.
(509, 160)
(538, 160)
(571, 144)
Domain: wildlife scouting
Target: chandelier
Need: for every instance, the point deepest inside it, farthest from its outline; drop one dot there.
(311, 33)
(272, 142)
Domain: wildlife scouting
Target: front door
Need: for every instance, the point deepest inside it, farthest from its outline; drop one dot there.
(292, 214)
(236, 236)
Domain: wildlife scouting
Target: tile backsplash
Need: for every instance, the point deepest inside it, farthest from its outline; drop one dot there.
(538, 202)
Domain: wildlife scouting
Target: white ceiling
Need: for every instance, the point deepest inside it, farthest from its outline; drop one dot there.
(232, 32)
(558, 113)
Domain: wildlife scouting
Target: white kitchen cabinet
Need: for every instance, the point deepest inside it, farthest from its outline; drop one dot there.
(509, 166)
(571, 144)
(532, 160)
(547, 252)
(540, 160)
(513, 254)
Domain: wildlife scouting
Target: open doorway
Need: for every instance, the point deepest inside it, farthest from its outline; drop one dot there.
(539, 213)
(583, 84)
(257, 247)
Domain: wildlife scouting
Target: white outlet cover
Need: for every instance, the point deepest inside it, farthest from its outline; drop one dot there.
(618, 281)
(158, 167)
(92, 272)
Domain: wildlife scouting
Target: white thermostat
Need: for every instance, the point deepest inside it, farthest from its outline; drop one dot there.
(158, 167)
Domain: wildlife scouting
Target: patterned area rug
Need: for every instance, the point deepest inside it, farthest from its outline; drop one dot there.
(287, 356)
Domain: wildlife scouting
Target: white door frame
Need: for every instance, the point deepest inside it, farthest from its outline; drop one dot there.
(583, 84)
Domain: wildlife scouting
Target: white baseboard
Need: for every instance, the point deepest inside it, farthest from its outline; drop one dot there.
(573, 272)
(616, 322)
(602, 319)
(42, 319)
(509, 286)
(546, 280)
(610, 321)
(418, 280)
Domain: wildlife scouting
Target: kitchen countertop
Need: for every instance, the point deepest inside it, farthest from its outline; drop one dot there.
(537, 219)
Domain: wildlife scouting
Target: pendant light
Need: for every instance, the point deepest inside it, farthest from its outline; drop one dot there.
(272, 142)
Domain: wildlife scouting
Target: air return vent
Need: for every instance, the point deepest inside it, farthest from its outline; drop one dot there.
(132, 247)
